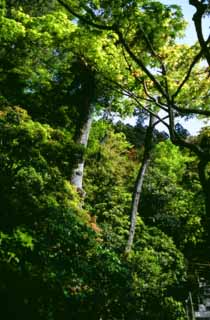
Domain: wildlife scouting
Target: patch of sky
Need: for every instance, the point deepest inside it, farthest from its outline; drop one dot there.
(188, 12)
(193, 125)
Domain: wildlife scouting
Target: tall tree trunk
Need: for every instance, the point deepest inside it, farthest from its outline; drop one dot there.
(139, 182)
(78, 172)
(84, 95)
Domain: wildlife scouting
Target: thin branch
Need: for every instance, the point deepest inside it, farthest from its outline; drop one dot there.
(148, 110)
(162, 119)
(177, 140)
(156, 56)
(115, 29)
(188, 110)
(191, 110)
(201, 8)
(140, 63)
(153, 99)
(136, 98)
(83, 19)
(130, 67)
(195, 60)
(171, 121)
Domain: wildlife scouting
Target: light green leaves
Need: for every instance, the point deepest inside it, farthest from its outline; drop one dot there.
(10, 30)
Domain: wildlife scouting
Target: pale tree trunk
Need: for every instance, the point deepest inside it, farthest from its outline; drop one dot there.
(78, 172)
(139, 182)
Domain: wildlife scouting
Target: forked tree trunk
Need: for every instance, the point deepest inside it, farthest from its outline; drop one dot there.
(78, 172)
(139, 182)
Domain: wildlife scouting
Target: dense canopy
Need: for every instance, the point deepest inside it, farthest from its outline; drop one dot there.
(101, 218)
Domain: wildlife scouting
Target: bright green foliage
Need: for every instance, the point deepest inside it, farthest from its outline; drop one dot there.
(108, 180)
(160, 266)
(56, 261)
(62, 268)
(145, 15)
(48, 67)
(30, 144)
(122, 288)
(144, 24)
(40, 221)
(177, 59)
(160, 250)
(174, 309)
(172, 199)
(29, 61)
(155, 266)
(204, 138)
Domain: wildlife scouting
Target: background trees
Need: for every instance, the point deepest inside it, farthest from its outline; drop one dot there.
(162, 75)
(62, 255)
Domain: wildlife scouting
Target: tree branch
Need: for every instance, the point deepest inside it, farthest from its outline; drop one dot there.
(83, 19)
(178, 141)
(153, 99)
(201, 8)
(191, 110)
(162, 119)
(195, 60)
(136, 98)
(140, 63)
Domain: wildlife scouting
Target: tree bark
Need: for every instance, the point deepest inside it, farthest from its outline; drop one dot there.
(83, 97)
(78, 172)
(139, 182)
(201, 8)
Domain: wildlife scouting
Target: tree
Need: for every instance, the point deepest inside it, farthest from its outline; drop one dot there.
(54, 265)
(57, 260)
(172, 197)
(42, 234)
(166, 74)
(202, 10)
(148, 144)
(109, 179)
(58, 74)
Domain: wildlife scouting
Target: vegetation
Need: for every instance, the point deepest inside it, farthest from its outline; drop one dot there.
(100, 219)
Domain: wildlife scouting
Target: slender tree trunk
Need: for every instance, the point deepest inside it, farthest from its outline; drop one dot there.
(78, 172)
(84, 98)
(139, 183)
